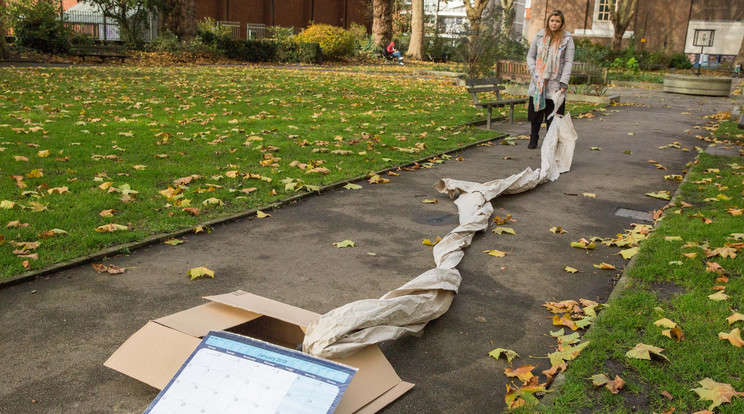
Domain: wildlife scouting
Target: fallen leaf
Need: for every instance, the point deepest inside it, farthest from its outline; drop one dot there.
(16, 224)
(595, 148)
(689, 255)
(502, 230)
(716, 392)
(565, 320)
(212, 202)
(107, 213)
(432, 201)
(614, 385)
(351, 186)
(345, 243)
(201, 271)
(628, 253)
(557, 230)
(665, 323)
(428, 242)
(570, 269)
(7, 204)
(718, 296)
(497, 253)
(673, 238)
(674, 333)
(663, 195)
(567, 354)
(590, 195)
(109, 228)
(508, 353)
(173, 242)
(667, 394)
(523, 373)
(112, 269)
(643, 351)
(605, 266)
(261, 214)
(193, 211)
(736, 316)
(51, 233)
(583, 244)
(734, 337)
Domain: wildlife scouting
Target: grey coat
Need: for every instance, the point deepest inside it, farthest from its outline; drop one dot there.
(564, 71)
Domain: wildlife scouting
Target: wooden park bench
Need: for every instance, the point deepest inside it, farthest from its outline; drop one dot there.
(486, 85)
(516, 70)
(100, 51)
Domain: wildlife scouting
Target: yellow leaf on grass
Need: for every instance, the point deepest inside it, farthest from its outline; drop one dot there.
(717, 392)
(7, 204)
(735, 317)
(673, 238)
(674, 333)
(212, 202)
(508, 353)
(718, 296)
(497, 253)
(502, 230)
(644, 351)
(109, 228)
(201, 271)
(734, 337)
(665, 323)
(345, 243)
(570, 269)
(43, 153)
(689, 255)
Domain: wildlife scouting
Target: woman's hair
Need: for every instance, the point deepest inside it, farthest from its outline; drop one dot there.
(555, 37)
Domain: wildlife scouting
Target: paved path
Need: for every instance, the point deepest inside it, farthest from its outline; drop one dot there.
(57, 331)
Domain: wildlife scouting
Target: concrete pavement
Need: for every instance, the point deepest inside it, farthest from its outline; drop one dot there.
(57, 331)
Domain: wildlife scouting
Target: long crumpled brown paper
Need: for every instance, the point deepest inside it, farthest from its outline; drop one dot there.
(407, 309)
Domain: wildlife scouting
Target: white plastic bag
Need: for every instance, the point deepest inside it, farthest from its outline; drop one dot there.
(566, 143)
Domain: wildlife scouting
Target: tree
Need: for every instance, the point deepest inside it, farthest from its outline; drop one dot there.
(4, 50)
(510, 14)
(382, 21)
(416, 46)
(131, 15)
(477, 35)
(621, 13)
(179, 17)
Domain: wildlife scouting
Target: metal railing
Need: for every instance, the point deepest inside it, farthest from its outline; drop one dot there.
(255, 31)
(234, 28)
(100, 27)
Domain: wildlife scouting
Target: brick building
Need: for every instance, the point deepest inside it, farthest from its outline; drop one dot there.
(659, 25)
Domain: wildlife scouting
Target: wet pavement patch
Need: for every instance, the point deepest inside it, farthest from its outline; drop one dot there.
(635, 214)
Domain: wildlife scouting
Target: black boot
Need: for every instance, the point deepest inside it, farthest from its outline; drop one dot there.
(534, 135)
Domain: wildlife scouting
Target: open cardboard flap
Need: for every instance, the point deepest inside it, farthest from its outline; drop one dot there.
(154, 354)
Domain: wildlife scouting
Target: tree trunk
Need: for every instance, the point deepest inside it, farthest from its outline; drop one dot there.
(474, 12)
(4, 49)
(621, 13)
(740, 56)
(510, 15)
(382, 21)
(416, 47)
(180, 18)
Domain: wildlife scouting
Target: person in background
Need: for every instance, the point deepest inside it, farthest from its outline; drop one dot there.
(392, 51)
(549, 61)
(737, 70)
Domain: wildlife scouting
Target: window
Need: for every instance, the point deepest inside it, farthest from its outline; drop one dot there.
(604, 11)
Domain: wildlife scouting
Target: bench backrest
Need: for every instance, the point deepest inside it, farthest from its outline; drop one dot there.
(476, 86)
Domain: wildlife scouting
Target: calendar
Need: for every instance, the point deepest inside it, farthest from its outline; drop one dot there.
(230, 374)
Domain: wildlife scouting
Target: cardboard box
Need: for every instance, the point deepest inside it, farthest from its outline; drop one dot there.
(154, 354)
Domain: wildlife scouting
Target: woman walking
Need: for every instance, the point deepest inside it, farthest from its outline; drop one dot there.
(549, 60)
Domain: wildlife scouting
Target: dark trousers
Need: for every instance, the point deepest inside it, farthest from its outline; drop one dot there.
(537, 117)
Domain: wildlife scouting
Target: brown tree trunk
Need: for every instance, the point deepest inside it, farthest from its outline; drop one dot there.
(621, 13)
(416, 47)
(510, 15)
(4, 49)
(382, 21)
(180, 18)
(740, 56)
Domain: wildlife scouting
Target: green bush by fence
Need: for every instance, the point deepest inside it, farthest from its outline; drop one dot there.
(263, 50)
(335, 41)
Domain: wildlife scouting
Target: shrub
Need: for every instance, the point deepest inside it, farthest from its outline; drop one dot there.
(38, 25)
(680, 61)
(280, 33)
(334, 41)
(209, 31)
(303, 52)
(165, 42)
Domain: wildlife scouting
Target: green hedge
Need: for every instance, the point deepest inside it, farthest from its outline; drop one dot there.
(265, 50)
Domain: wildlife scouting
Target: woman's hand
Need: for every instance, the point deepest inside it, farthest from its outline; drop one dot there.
(563, 90)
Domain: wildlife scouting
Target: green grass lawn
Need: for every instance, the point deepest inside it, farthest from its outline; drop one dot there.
(706, 224)
(161, 149)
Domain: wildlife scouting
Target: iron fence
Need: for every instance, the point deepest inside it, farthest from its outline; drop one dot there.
(99, 27)
(255, 31)
(234, 28)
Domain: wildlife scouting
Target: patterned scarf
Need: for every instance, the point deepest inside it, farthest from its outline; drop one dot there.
(546, 66)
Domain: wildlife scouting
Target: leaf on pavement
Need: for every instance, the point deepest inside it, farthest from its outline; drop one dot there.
(663, 195)
(345, 243)
(261, 214)
(201, 271)
(508, 353)
(568, 354)
(524, 372)
(427, 242)
(605, 266)
(557, 230)
(565, 320)
(493, 252)
(430, 201)
(352, 186)
(590, 195)
(569, 269)
(112, 269)
(502, 230)
(628, 253)
(173, 242)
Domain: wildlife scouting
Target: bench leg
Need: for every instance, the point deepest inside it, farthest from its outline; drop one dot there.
(488, 120)
(511, 113)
